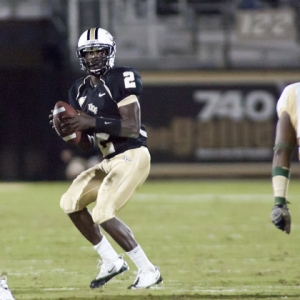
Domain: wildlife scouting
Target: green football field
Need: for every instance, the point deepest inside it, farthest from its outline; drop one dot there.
(211, 239)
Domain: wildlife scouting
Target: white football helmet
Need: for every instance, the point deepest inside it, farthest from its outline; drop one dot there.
(96, 39)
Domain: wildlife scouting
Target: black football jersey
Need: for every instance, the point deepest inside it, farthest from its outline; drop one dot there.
(101, 101)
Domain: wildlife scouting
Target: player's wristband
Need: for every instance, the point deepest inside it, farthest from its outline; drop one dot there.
(280, 181)
(280, 201)
(107, 125)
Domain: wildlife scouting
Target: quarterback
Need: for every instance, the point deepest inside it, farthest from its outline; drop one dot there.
(287, 137)
(107, 102)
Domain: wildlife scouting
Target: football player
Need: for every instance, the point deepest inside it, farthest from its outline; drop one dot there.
(287, 137)
(107, 101)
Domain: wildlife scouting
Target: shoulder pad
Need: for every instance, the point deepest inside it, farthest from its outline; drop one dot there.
(122, 82)
(74, 91)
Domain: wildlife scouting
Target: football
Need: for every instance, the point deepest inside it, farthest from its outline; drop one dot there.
(61, 109)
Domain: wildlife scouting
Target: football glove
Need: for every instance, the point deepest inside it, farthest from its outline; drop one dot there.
(281, 218)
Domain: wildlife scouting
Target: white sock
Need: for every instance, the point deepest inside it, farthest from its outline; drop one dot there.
(138, 256)
(105, 250)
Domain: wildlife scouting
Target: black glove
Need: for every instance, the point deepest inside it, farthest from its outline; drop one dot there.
(281, 217)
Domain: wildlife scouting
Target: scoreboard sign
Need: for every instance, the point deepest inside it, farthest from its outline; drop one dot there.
(266, 25)
(210, 123)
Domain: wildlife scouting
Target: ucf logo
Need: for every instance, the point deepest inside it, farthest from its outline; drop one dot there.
(93, 108)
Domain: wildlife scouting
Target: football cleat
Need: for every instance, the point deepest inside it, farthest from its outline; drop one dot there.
(108, 270)
(146, 279)
(5, 293)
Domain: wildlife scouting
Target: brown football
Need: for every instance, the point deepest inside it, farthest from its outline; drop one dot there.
(61, 109)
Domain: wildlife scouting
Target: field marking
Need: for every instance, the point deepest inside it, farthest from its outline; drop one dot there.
(222, 290)
(240, 289)
(206, 197)
(60, 289)
(12, 187)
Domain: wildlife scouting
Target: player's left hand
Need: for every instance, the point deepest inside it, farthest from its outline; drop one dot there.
(79, 122)
(281, 218)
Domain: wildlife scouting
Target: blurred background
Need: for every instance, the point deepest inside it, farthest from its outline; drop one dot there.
(212, 71)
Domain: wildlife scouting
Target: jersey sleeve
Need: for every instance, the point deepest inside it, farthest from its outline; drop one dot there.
(289, 93)
(73, 91)
(123, 82)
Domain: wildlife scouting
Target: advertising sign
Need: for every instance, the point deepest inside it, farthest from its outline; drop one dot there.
(210, 123)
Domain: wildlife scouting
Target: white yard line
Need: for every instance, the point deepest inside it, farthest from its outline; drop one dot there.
(206, 197)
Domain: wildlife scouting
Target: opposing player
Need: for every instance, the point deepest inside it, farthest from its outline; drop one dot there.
(107, 101)
(287, 137)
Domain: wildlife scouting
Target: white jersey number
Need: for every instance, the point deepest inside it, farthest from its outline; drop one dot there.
(105, 147)
(129, 80)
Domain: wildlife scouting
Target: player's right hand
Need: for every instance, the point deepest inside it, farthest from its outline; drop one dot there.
(79, 122)
(281, 218)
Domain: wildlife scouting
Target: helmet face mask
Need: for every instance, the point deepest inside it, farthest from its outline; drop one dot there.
(100, 41)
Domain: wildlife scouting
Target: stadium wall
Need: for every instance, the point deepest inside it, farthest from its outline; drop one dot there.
(193, 134)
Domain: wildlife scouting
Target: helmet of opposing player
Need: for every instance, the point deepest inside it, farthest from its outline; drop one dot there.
(96, 39)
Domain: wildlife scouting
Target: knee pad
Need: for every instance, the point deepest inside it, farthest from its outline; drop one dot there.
(67, 204)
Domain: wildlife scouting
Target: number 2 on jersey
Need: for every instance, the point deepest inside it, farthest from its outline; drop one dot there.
(129, 80)
(105, 146)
